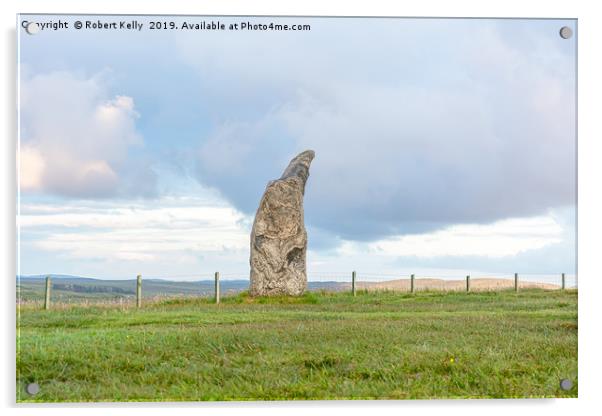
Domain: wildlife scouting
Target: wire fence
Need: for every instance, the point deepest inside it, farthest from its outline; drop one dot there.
(216, 285)
(493, 280)
(447, 282)
(345, 276)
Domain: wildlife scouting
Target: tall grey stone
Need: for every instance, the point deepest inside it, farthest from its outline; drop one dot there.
(278, 238)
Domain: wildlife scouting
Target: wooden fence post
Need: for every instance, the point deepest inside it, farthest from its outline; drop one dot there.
(353, 283)
(139, 291)
(412, 284)
(563, 282)
(47, 294)
(216, 287)
(468, 283)
(516, 282)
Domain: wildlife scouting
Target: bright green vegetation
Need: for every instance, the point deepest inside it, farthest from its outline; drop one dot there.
(321, 346)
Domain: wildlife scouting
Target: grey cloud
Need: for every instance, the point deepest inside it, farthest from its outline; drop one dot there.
(470, 130)
(240, 158)
(321, 240)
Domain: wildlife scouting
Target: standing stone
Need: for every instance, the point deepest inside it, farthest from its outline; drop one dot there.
(279, 239)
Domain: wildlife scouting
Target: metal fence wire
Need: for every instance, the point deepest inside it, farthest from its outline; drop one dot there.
(215, 285)
(446, 282)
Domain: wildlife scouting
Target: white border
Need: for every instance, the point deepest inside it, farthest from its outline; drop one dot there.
(590, 207)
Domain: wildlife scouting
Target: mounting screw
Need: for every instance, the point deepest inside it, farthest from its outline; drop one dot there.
(566, 32)
(32, 28)
(566, 384)
(32, 389)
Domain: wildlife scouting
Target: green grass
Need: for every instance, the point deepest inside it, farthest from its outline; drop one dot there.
(320, 346)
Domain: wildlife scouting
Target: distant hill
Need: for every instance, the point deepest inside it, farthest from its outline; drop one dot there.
(68, 288)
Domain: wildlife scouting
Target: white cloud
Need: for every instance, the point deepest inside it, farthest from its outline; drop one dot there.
(75, 139)
(499, 239)
(178, 235)
(172, 234)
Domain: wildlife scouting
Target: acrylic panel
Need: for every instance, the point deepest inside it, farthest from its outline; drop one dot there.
(295, 208)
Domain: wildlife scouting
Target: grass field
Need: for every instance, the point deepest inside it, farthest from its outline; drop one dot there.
(320, 346)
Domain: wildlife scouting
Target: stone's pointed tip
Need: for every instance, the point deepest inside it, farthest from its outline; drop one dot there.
(299, 166)
(307, 154)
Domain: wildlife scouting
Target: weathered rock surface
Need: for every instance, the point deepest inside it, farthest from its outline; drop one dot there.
(279, 239)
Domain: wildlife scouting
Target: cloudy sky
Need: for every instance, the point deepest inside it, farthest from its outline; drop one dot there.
(443, 146)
